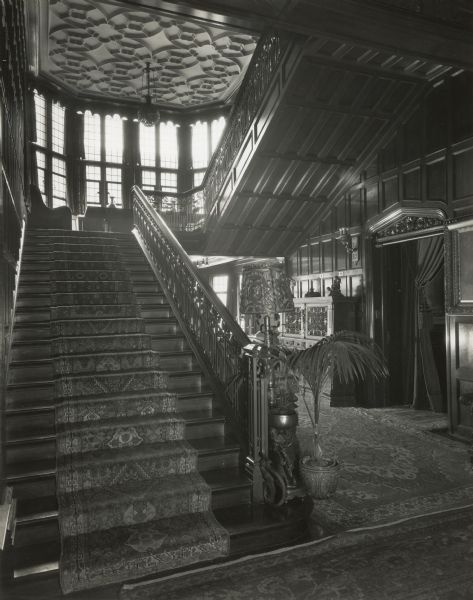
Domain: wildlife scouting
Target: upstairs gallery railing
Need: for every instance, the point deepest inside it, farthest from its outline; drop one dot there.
(188, 211)
(215, 336)
(182, 212)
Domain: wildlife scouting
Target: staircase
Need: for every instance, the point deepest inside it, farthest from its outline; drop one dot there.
(31, 430)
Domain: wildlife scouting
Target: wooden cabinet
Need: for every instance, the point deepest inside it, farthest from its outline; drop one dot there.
(314, 318)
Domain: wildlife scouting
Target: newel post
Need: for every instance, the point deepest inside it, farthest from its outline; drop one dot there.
(257, 423)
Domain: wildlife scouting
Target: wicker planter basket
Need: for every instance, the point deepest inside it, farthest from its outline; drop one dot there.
(320, 479)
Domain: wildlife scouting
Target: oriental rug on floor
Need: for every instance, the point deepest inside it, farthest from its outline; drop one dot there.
(131, 502)
(390, 469)
(425, 558)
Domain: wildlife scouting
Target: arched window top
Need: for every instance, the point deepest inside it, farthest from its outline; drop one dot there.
(168, 124)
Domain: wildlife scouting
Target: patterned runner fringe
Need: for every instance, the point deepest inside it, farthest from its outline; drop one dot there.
(131, 501)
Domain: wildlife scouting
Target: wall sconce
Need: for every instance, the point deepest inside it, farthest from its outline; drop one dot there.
(350, 243)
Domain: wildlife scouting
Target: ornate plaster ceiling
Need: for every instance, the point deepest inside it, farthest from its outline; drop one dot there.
(100, 49)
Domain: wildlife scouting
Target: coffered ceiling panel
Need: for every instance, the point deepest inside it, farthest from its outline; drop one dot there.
(100, 49)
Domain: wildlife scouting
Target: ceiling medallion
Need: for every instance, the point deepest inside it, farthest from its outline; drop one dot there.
(148, 114)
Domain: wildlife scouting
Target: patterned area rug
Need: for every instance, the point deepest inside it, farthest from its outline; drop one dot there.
(428, 558)
(390, 469)
(131, 502)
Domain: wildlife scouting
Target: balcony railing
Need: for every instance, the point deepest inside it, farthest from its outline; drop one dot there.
(182, 212)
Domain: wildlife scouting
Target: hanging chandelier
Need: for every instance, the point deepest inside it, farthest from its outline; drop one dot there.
(148, 114)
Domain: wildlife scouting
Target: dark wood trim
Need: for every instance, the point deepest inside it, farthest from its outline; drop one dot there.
(281, 197)
(304, 158)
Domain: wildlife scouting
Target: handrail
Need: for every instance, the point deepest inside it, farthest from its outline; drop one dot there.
(182, 211)
(178, 251)
(212, 332)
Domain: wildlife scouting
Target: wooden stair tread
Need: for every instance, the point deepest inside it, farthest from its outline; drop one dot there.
(34, 480)
(211, 445)
(44, 432)
(35, 509)
(252, 529)
(28, 343)
(199, 416)
(30, 384)
(30, 362)
(42, 467)
(28, 404)
(219, 479)
(41, 434)
(31, 469)
(27, 409)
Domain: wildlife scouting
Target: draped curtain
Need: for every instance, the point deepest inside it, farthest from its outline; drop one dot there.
(131, 158)
(422, 262)
(430, 256)
(408, 325)
(32, 170)
(74, 150)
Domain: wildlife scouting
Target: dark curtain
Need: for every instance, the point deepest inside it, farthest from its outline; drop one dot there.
(408, 325)
(131, 158)
(32, 167)
(430, 255)
(74, 150)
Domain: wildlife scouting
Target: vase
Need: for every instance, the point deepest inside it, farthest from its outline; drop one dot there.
(320, 478)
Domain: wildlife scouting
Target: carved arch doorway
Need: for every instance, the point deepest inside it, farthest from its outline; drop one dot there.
(405, 303)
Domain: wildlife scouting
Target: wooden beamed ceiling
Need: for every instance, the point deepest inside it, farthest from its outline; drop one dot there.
(328, 127)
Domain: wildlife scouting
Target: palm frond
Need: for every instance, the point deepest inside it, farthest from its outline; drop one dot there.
(350, 355)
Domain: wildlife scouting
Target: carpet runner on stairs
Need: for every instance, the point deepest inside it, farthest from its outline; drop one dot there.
(131, 501)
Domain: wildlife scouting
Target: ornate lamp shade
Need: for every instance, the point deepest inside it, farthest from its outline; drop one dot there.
(265, 290)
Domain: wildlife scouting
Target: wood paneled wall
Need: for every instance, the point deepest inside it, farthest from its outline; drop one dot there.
(12, 185)
(429, 159)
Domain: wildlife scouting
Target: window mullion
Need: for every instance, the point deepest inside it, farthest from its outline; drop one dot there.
(103, 167)
(48, 180)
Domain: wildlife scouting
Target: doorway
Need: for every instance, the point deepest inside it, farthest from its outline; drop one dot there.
(410, 311)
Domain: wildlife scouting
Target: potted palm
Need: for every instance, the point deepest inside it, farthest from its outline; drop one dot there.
(349, 355)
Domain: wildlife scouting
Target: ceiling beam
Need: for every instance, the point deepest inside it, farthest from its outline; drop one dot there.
(363, 67)
(283, 197)
(315, 160)
(251, 227)
(335, 110)
(385, 27)
(382, 137)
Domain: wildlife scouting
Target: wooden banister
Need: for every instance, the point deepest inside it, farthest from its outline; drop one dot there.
(221, 346)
